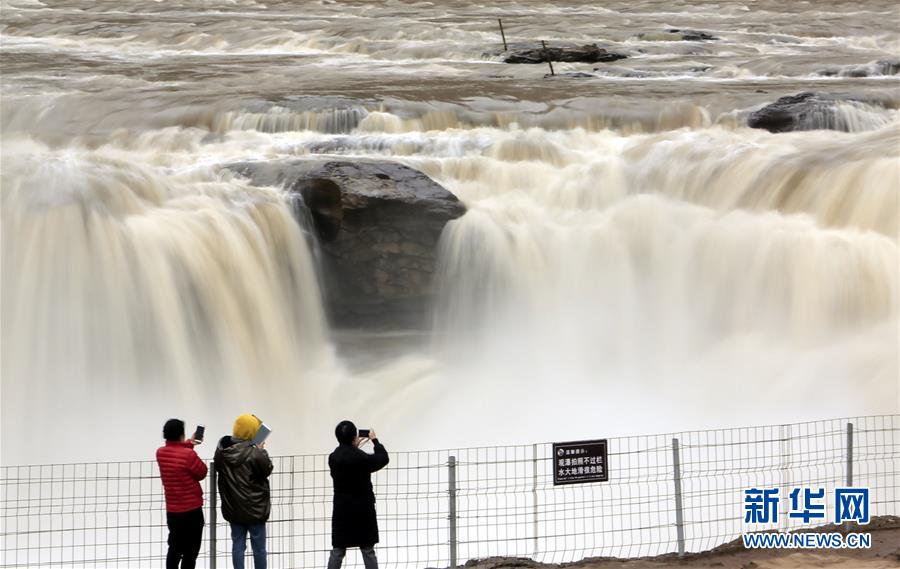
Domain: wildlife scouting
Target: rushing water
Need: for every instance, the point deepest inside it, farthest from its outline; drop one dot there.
(633, 257)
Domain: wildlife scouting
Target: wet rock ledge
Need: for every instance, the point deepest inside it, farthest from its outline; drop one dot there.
(533, 53)
(812, 111)
(377, 224)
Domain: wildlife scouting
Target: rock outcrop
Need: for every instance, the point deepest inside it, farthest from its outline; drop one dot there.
(378, 225)
(531, 53)
(812, 111)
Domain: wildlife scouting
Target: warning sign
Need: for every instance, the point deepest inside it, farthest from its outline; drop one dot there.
(579, 462)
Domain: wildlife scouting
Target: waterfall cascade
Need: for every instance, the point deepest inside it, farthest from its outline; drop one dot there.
(633, 258)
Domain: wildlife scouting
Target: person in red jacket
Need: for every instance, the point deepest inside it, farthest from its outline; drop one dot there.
(181, 471)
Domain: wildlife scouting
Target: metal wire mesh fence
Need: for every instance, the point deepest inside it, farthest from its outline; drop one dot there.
(666, 493)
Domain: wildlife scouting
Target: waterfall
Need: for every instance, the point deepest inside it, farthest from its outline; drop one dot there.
(123, 282)
(689, 272)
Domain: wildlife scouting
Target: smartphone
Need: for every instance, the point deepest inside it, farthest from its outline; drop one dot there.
(364, 433)
(198, 434)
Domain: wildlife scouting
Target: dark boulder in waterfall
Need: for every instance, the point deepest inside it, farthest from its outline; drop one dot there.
(812, 111)
(556, 51)
(378, 225)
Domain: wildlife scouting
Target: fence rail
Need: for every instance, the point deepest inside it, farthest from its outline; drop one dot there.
(677, 492)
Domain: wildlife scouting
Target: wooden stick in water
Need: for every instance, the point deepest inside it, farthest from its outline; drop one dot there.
(547, 57)
(503, 35)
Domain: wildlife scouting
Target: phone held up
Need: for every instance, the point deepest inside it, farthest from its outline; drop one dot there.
(364, 433)
(198, 434)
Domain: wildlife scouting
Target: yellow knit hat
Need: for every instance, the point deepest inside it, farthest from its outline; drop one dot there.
(246, 426)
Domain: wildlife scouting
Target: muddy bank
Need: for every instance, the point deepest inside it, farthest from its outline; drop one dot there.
(884, 553)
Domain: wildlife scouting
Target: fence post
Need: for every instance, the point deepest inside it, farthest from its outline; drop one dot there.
(849, 454)
(212, 515)
(785, 473)
(679, 515)
(534, 494)
(451, 465)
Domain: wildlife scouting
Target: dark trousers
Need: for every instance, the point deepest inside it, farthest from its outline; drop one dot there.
(336, 559)
(185, 534)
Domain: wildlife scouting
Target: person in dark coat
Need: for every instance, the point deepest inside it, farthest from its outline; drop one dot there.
(243, 469)
(353, 522)
(181, 471)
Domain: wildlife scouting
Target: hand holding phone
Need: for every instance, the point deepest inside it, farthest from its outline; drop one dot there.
(198, 434)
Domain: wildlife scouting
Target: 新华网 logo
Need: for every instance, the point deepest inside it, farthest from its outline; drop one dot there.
(808, 505)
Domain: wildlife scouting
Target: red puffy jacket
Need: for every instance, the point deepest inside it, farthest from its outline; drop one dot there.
(181, 471)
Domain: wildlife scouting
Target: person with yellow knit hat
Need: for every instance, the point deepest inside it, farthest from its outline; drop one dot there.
(246, 426)
(243, 469)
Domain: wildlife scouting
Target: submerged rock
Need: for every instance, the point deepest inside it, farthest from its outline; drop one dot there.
(378, 225)
(693, 35)
(811, 111)
(888, 67)
(677, 35)
(565, 52)
(875, 69)
(570, 74)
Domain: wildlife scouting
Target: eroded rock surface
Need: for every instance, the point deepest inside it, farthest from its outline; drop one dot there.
(378, 225)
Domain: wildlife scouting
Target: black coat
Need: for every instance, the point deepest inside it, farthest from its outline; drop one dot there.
(243, 470)
(353, 523)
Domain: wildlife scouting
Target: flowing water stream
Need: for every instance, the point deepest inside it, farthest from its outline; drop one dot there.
(633, 258)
